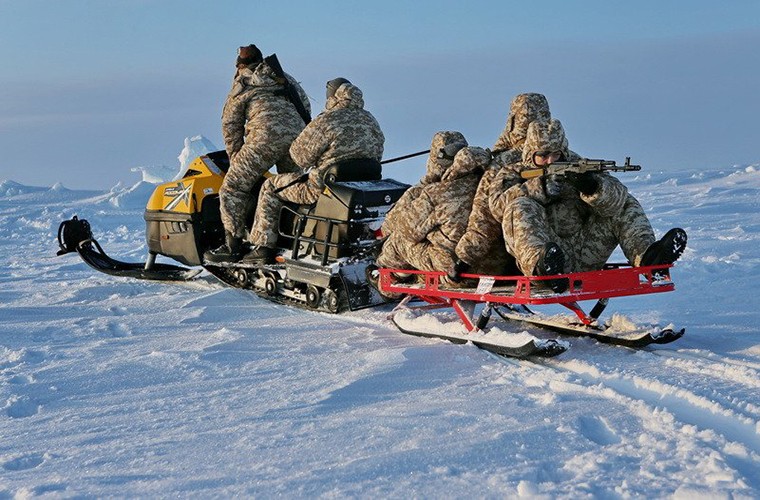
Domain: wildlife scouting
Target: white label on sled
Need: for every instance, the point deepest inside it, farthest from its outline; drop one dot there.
(208, 190)
(485, 284)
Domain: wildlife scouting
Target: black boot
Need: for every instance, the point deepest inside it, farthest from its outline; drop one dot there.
(667, 249)
(231, 251)
(260, 255)
(552, 262)
(372, 274)
(455, 273)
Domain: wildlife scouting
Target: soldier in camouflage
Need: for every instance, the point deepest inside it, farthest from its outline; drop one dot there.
(433, 223)
(258, 125)
(573, 222)
(443, 147)
(343, 132)
(481, 249)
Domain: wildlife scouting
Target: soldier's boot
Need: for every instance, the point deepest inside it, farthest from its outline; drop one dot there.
(372, 274)
(260, 255)
(552, 262)
(232, 250)
(667, 249)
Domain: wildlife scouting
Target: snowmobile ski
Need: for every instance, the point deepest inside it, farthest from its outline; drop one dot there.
(517, 347)
(75, 235)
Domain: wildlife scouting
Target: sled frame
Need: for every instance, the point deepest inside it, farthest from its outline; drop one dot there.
(616, 280)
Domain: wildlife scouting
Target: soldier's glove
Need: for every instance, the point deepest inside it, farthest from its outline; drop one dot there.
(455, 273)
(586, 183)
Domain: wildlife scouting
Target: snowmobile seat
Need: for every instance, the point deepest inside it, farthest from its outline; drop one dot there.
(354, 170)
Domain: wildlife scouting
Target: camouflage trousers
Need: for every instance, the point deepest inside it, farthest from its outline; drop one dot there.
(528, 226)
(400, 253)
(237, 194)
(267, 220)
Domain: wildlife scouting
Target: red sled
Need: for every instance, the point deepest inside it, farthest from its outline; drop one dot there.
(515, 293)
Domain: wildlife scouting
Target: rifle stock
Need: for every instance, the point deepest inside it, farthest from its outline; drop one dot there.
(290, 92)
(579, 167)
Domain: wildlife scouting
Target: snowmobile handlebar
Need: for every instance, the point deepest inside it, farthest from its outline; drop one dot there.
(579, 167)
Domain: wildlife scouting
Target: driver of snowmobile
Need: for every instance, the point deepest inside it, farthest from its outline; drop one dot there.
(343, 132)
(258, 124)
(570, 223)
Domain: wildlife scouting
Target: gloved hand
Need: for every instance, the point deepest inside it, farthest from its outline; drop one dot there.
(455, 273)
(586, 183)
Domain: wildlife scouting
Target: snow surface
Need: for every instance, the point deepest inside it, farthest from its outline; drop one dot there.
(116, 387)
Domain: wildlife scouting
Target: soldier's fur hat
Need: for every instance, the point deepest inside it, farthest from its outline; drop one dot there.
(250, 54)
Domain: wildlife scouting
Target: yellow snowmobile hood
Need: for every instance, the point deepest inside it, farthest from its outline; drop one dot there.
(203, 178)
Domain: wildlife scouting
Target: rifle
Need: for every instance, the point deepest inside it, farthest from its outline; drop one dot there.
(580, 166)
(290, 91)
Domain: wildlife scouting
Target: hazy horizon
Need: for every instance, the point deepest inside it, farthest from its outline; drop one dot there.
(84, 102)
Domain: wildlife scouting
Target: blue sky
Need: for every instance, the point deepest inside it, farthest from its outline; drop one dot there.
(93, 88)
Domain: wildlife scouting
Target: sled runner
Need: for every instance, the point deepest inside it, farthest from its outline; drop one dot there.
(509, 296)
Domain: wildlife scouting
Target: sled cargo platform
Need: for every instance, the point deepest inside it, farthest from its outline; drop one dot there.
(618, 280)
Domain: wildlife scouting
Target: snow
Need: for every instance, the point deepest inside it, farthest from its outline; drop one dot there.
(116, 387)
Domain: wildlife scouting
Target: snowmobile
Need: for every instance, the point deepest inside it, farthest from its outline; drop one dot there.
(323, 249)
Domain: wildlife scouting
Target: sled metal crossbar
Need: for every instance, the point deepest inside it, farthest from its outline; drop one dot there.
(618, 280)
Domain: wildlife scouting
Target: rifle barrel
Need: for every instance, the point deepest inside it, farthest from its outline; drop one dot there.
(399, 158)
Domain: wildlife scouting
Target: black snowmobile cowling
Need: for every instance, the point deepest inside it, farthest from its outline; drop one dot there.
(323, 248)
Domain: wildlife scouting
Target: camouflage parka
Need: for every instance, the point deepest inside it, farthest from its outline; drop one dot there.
(256, 111)
(437, 163)
(482, 245)
(523, 109)
(439, 214)
(343, 131)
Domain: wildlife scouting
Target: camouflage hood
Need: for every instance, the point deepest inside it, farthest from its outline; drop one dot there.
(439, 160)
(468, 160)
(260, 78)
(346, 96)
(544, 136)
(525, 108)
